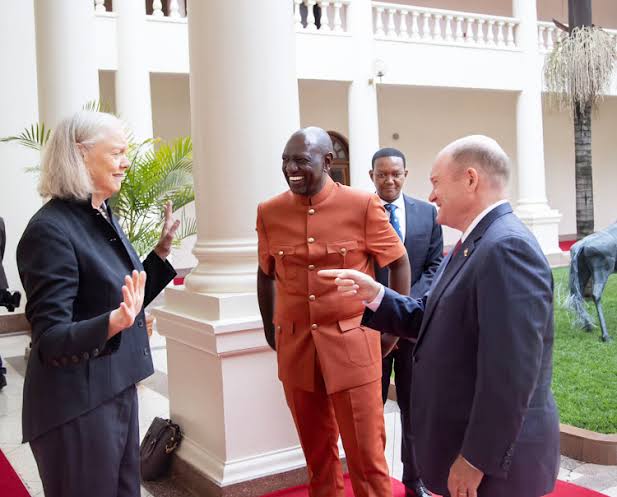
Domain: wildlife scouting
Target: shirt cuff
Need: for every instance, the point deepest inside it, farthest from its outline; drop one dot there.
(376, 302)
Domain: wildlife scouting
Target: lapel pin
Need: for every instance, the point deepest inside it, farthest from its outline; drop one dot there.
(465, 252)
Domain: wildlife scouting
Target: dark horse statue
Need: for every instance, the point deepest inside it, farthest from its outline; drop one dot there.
(594, 258)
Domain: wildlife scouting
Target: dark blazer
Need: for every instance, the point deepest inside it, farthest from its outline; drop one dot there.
(4, 284)
(483, 361)
(72, 264)
(424, 244)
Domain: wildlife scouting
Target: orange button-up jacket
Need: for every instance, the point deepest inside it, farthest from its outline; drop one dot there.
(340, 227)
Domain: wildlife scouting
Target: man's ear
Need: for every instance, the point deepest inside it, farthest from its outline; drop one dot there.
(370, 174)
(327, 161)
(471, 180)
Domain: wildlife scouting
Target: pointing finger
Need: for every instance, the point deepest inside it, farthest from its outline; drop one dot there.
(332, 273)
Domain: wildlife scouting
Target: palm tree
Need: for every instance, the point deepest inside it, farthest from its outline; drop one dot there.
(155, 176)
(577, 72)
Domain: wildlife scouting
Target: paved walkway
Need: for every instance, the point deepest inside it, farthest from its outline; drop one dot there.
(154, 401)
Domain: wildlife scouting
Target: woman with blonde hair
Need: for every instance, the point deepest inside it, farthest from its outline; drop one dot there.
(86, 290)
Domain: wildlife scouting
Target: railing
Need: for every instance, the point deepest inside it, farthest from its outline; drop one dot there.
(444, 27)
(549, 35)
(321, 16)
(174, 9)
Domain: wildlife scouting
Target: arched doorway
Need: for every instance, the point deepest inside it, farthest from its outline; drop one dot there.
(340, 165)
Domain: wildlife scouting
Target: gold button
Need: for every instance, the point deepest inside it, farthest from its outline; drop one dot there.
(312, 298)
(278, 328)
(311, 212)
(311, 267)
(281, 252)
(313, 327)
(343, 250)
(311, 239)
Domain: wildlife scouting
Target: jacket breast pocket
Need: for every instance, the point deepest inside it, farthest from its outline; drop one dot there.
(342, 254)
(284, 264)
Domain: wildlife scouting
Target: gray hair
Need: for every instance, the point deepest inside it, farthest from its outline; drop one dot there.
(63, 171)
(483, 153)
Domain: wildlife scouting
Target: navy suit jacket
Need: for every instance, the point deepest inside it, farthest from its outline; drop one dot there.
(72, 263)
(483, 361)
(424, 244)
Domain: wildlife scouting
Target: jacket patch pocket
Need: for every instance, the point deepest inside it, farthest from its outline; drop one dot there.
(284, 267)
(341, 254)
(362, 347)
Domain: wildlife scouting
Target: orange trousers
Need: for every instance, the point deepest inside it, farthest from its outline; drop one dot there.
(358, 414)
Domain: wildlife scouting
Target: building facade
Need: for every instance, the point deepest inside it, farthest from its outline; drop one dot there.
(240, 76)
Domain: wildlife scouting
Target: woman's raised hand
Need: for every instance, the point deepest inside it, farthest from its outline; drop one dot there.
(133, 294)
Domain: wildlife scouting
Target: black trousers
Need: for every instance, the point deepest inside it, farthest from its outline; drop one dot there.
(94, 455)
(401, 360)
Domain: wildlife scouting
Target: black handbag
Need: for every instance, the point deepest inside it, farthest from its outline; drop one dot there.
(155, 450)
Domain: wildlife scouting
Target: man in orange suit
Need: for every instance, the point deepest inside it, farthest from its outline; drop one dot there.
(329, 364)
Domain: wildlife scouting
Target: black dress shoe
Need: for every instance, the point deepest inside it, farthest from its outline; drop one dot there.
(416, 488)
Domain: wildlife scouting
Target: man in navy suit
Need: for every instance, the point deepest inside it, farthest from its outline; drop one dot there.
(484, 418)
(415, 223)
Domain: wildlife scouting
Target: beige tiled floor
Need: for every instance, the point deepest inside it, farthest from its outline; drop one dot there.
(153, 402)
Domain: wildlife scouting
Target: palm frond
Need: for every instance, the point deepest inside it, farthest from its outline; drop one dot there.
(188, 227)
(97, 106)
(34, 137)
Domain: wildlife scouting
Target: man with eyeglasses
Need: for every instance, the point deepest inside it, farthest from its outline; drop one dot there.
(415, 223)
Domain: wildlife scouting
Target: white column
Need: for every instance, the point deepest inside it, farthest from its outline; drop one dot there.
(223, 385)
(532, 206)
(66, 59)
(362, 95)
(18, 104)
(133, 100)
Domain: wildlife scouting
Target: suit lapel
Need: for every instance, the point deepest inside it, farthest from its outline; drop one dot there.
(409, 227)
(452, 265)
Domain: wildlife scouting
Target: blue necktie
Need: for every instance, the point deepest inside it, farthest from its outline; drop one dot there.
(394, 219)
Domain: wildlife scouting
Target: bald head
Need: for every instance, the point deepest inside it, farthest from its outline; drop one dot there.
(315, 137)
(469, 175)
(482, 153)
(306, 160)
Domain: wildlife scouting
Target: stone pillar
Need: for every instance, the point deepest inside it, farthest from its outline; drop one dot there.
(362, 96)
(18, 109)
(133, 99)
(66, 60)
(532, 206)
(223, 385)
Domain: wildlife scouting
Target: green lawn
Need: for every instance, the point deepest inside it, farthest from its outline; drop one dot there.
(585, 368)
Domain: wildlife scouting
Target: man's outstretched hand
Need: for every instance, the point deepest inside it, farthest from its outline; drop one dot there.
(353, 284)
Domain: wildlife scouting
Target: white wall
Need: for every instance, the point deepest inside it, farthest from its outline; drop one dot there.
(604, 12)
(324, 104)
(426, 119)
(171, 107)
(18, 109)
(493, 7)
(107, 90)
(559, 140)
